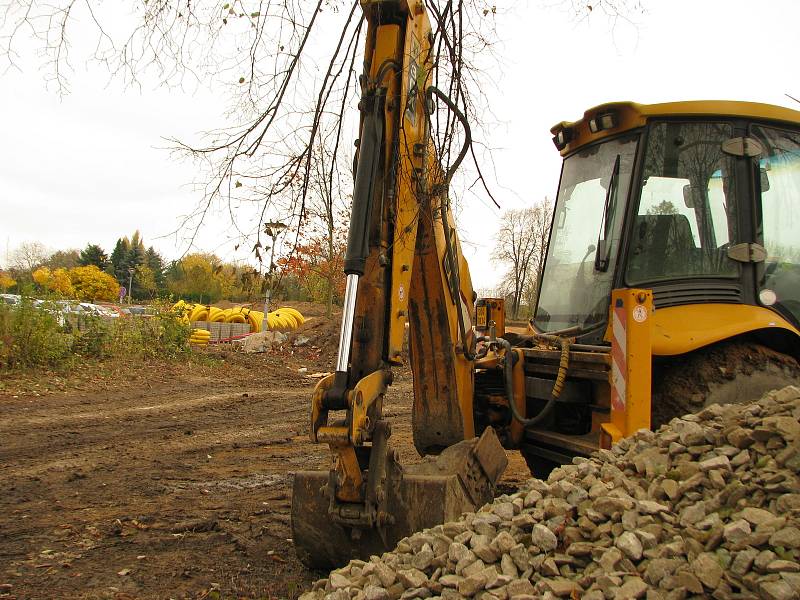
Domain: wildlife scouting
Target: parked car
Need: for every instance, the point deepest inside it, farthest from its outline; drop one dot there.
(52, 307)
(98, 310)
(10, 298)
(139, 311)
(117, 310)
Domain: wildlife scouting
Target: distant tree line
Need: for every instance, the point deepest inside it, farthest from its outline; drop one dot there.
(313, 273)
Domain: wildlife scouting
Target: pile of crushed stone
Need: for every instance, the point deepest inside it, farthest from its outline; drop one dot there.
(708, 506)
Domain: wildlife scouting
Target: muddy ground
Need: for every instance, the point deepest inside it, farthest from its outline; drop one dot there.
(164, 481)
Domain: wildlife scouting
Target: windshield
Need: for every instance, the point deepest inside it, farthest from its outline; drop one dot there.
(581, 256)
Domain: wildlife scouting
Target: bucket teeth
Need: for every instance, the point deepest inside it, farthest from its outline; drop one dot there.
(328, 534)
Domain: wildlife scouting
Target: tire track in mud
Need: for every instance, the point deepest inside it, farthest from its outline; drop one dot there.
(195, 480)
(166, 492)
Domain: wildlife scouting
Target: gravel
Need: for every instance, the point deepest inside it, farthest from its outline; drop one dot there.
(708, 506)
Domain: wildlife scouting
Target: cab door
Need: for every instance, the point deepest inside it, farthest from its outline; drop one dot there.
(776, 177)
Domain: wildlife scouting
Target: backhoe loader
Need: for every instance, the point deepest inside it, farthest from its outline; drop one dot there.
(672, 280)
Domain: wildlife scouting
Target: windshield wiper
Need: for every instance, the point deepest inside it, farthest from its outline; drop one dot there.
(602, 256)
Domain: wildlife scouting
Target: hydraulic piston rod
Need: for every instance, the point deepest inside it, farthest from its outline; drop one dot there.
(346, 334)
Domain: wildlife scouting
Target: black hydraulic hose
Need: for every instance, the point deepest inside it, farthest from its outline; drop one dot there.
(508, 369)
(385, 66)
(433, 90)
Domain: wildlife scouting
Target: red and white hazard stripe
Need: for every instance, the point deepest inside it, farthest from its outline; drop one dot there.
(619, 356)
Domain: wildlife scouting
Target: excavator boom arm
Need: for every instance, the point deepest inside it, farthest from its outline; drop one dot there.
(404, 267)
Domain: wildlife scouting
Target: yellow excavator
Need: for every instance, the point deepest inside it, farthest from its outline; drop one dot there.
(671, 281)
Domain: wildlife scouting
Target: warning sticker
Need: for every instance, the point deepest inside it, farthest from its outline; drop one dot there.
(481, 316)
(412, 88)
(640, 314)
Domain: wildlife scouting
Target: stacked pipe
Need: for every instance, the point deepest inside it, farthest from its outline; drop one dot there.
(281, 319)
(200, 337)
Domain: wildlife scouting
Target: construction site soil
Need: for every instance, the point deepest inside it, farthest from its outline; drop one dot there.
(165, 480)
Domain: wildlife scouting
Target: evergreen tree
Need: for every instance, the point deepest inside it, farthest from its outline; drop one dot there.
(136, 251)
(135, 260)
(156, 264)
(93, 255)
(119, 260)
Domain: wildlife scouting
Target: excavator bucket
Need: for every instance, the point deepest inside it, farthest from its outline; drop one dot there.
(409, 499)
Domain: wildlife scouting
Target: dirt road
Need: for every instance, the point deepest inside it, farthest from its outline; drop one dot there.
(173, 486)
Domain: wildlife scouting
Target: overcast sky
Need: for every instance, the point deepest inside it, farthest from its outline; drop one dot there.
(91, 167)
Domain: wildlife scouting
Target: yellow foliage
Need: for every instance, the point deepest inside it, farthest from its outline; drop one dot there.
(56, 281)
(42, 276)
(90, 283)
(6, 281)
(61, 283)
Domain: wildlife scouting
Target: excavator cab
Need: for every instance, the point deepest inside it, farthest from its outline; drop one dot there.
(691, 206)
(694, 200)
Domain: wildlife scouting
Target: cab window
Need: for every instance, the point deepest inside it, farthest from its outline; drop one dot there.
(686, 218)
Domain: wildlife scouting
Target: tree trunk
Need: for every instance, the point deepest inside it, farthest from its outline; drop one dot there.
(331, 275)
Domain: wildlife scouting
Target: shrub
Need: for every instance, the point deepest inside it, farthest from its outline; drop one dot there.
(31, 336)
(36, 336)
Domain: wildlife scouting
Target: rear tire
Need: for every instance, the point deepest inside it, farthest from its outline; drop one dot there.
(728, 373)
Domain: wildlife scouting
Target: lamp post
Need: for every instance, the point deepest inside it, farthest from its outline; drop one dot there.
(272, 229)
(131, 271)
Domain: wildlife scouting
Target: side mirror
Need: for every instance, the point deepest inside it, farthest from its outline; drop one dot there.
(690, 196)
(764, 180)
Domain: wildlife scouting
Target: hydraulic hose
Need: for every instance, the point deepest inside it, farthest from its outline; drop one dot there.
(434, 91)
(508, 369)
(449, 249)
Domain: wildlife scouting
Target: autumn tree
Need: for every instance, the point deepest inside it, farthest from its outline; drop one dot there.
(63, 259)
(28, 256)
(57, 281)
(92, 284)
(200, 277)
(317, 265)
(145, 285)
(6, 281)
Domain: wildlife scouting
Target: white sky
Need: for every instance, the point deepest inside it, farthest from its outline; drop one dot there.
(91, 167)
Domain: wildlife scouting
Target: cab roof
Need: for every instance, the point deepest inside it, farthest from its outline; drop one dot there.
(631, 115)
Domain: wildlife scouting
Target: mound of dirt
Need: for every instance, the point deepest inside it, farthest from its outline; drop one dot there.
(316, 342)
